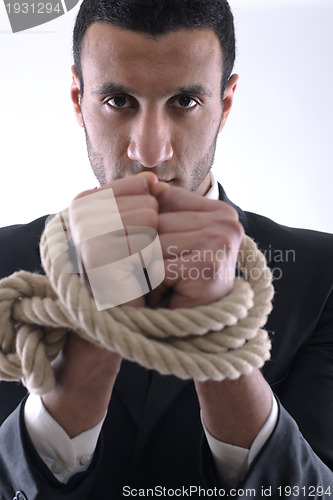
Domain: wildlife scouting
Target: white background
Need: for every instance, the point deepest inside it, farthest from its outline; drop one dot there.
(274, 157)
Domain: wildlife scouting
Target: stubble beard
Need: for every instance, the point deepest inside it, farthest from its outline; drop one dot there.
(199, 171)
(96, 161)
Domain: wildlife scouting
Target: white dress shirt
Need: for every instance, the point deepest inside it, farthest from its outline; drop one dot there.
(65, 456)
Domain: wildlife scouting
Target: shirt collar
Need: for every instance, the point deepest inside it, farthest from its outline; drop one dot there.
(213, 193)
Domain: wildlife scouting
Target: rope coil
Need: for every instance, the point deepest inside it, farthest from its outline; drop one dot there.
(221, 340)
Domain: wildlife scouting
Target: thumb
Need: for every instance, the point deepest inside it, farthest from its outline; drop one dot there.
(155, 186)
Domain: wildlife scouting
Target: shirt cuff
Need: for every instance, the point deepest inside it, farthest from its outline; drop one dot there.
(232, 462)
(62, 455)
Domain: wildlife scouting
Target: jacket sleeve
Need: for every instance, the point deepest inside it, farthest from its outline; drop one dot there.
(297, 459)
(288, 467)
(21, 469)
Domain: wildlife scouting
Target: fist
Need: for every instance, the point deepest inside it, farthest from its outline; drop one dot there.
(110, 226)
(200, 239)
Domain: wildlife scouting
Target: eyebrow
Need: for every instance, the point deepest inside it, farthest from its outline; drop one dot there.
(112, 88)
(193, 89)
(115, 88)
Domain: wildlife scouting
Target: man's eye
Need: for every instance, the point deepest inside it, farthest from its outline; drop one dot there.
(119, 101)
(185, 102)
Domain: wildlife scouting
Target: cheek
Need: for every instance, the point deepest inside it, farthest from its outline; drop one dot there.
(105, 135)
(196, 137)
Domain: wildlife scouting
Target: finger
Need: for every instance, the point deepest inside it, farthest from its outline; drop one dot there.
(157, 188)
(209, 239)
(140, 217)
(136, 203)
(150, 177)
(132, 185)
(177, 199)
(179, 222)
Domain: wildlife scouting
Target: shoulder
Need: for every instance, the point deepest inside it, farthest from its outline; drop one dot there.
(268, 232)
(19, 246)
(302, 255)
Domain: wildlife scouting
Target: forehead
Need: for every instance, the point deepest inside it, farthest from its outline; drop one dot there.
(109, 51)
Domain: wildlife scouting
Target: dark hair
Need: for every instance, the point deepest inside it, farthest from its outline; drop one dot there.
(159, 17)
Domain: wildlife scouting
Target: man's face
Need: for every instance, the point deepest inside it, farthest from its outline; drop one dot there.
(151, 104)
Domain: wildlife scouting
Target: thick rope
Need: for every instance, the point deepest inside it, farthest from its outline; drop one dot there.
(216, 341)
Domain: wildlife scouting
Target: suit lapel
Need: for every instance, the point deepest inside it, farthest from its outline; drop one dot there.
(242, 215)
(268, 250)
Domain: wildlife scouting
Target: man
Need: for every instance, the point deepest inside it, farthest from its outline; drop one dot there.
(152, 87)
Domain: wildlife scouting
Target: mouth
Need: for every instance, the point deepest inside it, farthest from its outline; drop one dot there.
(166, 180)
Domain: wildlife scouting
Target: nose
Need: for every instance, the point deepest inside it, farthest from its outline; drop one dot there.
(150, 141)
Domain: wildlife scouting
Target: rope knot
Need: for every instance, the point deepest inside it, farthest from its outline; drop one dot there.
(217, 341)
(27, 346)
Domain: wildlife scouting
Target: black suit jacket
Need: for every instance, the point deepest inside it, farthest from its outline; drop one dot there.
(152, 436)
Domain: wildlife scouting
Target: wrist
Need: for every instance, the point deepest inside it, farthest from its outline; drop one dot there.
(85, 376)
(234, 411)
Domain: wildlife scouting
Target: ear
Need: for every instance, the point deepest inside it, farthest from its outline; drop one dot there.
(228, 98)
(76, 96)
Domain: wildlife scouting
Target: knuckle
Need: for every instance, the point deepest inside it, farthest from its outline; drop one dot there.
(228, 210)
(222, 224)
(236, 228)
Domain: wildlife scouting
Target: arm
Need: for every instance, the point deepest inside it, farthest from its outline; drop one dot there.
(85, 376)
(214, 227)
(21, 469)
(297, 460)
(235, 411)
